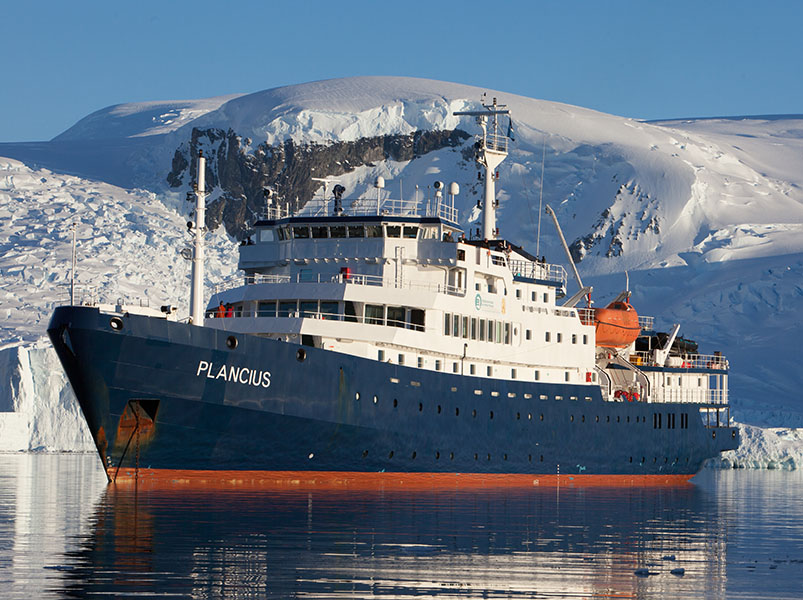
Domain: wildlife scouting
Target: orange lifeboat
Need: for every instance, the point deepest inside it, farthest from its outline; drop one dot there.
(617, 324)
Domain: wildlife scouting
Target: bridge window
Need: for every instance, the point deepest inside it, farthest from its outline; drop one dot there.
(373, 231)
(301, 232)
(320, 231)
(329, 310)
(337, 231)
(308, 308)
(411, 232)
(356, 231)
(393, 231)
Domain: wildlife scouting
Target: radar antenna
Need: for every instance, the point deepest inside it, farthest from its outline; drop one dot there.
(491, 151)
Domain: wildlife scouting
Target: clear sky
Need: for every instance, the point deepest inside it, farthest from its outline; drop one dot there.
(62, 60)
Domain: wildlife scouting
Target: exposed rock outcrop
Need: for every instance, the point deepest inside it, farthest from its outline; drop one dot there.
(241, 172)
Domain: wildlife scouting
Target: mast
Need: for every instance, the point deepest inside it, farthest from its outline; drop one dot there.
(197, 290)
(491, 152)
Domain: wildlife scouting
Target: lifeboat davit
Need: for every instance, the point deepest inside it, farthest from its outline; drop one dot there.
(617, 324)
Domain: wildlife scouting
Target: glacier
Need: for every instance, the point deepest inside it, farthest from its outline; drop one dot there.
(705, 215)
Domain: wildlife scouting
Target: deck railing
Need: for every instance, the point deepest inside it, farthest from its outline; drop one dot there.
(339, 278)
(365, 207)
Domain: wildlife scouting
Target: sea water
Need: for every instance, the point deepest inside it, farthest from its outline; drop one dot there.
(65, 533)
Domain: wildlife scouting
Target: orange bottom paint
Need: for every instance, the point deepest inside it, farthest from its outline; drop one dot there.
(169, 478)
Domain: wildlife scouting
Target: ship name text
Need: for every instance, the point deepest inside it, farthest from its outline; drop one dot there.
(232, 374)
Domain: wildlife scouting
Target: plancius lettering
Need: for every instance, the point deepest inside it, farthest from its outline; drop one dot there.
(232, 374)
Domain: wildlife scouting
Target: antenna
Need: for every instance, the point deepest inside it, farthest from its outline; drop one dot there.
(491, 151)
(197, 290)
(540, 202)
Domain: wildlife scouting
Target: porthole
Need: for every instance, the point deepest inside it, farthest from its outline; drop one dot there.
(571, 418)
(376, 399)
(414, 455)
(231, 344)
(395, 403)
(357, 396)
(364, 453)
(476, 456)
(542, 416)
(714, 435)
(116, 323)
(489, 456)
(492, 414)
(390, 455)
(530, 458)
(518, 416)
(733, 434)
(456, 412)
(420, 406)
(529, 416)
(597, 418)
(583, 418)
(437, 455)
(301, 354)
(451, 455)
(439, 409)
(631, 459)
(542, 458)
(474, 413)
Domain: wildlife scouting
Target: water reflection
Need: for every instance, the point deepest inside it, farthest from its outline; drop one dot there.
(63, 532)
(325, 543)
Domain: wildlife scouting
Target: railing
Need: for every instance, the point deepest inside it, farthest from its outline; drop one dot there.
(685, 361)
(351, 278)
(496, 143)
(538, 270)
(323, 316)
(646, 323)
(362, 207)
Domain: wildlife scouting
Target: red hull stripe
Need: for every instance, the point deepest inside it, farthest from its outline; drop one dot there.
(175, 478)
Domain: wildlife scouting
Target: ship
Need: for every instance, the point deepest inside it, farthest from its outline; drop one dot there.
(374, 340)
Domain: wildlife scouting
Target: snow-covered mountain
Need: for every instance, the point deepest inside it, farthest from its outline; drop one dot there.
(706, 215)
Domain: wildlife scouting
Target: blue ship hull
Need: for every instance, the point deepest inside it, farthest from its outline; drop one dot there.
(158, 394)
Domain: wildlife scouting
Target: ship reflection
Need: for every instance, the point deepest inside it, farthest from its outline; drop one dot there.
(529, 543)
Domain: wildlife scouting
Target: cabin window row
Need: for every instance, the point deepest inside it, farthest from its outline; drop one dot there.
(461, 326)
(302, 232)
(374, 314)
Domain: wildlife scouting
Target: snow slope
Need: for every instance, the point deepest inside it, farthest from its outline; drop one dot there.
(705, 214)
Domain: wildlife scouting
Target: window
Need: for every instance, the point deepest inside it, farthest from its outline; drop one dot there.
(538, 375)
(546, 297)
(393, 231)
(337, 231)
(473, 328)
(266, 309)
(350, 310)
(527, 334)
(507, 334)
(456, 326)
(465, 327)
(381, 356)
(574, 338)
(373, 231)
(518, 293)
(417, 319)
(320, 231)
(308, 308)
(532, 296)
(498, 337)
(356, 231)
(455, 368)
(266, 235)
(546, 336)
(375, 314)
(560, 338)
(437, 365)
(566, 376)
(287, 308)
(482, 330)
(490, 371)
(396, 316)
(447, 324)
(420, 362)
(410, 232)
(490, 330)
(512, 376)
(300, 232)
(472, 369)
(585, 339)
(401, 359)
(329, 310)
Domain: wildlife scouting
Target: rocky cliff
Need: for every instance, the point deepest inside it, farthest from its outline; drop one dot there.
(238, 173)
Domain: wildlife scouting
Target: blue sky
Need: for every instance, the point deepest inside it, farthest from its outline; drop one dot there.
(64, 60)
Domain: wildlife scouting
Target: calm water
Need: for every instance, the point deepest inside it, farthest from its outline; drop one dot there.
(63, 532)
